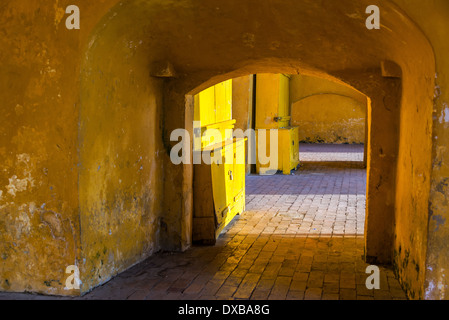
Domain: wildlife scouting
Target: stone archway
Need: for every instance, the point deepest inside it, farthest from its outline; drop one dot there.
(206, 43)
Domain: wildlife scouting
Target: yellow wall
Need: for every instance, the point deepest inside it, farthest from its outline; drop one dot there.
(432, 17)
(39, 94)
(74, 100)
(326, 111)
(120, 140)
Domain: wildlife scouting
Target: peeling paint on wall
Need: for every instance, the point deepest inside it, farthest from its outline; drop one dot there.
(38, 69)
(19, 185)
(444, 118)
(59, 13)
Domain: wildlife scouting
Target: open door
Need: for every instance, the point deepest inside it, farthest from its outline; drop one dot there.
(219, 187)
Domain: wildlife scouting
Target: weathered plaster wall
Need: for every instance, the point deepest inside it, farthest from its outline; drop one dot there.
(39, 217)
(432, 18)
(326, 111)
(399, 221)
(383, 112)
(121, 173)
(413, 182)
(406, 47)
(206, 41)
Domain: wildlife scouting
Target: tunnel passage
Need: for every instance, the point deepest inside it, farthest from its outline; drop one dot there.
(104, 164)
(248, 107)
(205, 47)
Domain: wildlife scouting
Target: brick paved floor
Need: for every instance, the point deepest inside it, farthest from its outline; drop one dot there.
(331, 152)
(300, 238)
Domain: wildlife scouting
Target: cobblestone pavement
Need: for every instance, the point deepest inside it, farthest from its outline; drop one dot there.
(331, 152)
(301, 238)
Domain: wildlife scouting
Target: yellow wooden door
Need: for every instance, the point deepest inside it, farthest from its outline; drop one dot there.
(239, 178)
(205, 107)
(223, 101)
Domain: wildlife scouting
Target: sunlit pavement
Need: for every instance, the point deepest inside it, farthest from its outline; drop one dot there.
(301, 238)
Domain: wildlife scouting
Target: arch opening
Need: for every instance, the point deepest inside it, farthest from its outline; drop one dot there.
(250, 91)
(141, 122)
(244, 109)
